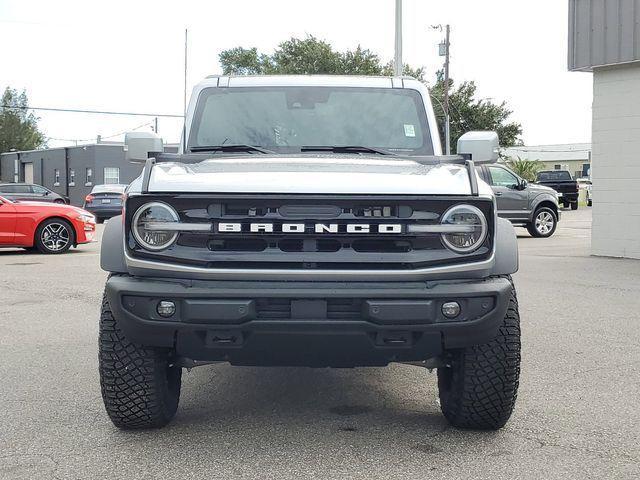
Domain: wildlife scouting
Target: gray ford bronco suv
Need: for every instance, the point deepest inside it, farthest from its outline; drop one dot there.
(310, 221)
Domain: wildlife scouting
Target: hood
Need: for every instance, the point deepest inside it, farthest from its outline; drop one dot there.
(541, 188)
(31, 205)
(311, 174)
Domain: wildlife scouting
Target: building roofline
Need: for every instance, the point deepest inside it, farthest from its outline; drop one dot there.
(591, 68)
(84, 146)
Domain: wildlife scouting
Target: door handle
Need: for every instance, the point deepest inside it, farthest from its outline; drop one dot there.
(498, 194)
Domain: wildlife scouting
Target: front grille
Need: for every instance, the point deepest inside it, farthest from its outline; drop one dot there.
(307, 249)
(337, 308)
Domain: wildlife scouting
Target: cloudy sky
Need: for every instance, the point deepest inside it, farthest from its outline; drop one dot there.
(128, 55)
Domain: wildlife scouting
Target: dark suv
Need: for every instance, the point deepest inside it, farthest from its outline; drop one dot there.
(30, 192)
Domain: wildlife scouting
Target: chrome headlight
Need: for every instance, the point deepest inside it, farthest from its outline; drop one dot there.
(467, 227)
(151, 226)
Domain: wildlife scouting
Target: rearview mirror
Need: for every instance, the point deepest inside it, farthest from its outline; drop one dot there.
(138, 145)
(483, 146)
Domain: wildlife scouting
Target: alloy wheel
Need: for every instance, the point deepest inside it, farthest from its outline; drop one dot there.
(55, 236)
(544, 223)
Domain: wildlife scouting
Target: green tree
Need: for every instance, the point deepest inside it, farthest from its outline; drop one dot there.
(301, 56)
(18, 126)
(527, 169)
(466, 113)
(313, 56)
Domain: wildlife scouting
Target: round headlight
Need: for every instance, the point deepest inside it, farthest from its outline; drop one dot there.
(468, 228)
(148, 222)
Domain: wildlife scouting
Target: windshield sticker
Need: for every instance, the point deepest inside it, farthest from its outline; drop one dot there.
(409, 130)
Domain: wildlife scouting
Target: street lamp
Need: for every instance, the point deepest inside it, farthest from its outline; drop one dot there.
(443, 51)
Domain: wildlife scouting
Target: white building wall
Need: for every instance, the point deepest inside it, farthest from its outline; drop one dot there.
(616, 161)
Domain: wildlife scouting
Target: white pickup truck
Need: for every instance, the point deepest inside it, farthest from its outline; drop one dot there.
(310, 221)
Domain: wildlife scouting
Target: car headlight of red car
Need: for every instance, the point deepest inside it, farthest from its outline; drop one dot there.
(86, 218)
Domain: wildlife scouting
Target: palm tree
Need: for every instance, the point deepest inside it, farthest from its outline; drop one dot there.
(527, 169)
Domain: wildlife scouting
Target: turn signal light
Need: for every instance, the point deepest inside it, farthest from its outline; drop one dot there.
(88, 198)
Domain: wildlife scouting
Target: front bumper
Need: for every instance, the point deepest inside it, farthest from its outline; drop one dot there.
(308, 323)
(85, 232)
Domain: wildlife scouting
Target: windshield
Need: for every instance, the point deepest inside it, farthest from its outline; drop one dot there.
(554, 176)
(109, 188)
(285, 119)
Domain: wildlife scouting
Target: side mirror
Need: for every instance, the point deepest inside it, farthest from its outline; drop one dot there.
(138, 145)
(47, 192)
(483, 146)
(523, 184)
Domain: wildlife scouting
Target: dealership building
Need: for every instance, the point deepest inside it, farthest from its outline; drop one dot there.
(71, 171)
(574, 157)
(604, 38)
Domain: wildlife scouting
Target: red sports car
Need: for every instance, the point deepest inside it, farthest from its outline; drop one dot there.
(48, 227)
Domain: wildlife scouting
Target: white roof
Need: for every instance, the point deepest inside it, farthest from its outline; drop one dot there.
(551, 153)
(310, 80)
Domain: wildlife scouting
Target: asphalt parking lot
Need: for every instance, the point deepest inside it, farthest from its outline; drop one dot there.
(577, 414)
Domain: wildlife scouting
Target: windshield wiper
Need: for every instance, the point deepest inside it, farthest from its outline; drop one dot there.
(345, 149)
(230, 147)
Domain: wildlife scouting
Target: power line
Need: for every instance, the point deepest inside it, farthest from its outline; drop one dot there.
(102, 137)
(128, 130)
(533, 150)
(99, 112)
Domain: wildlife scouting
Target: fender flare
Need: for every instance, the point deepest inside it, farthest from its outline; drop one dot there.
(112, 248)
(506, 260)
(543, 197)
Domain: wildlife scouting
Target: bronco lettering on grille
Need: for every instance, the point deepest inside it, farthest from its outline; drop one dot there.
(318, 228)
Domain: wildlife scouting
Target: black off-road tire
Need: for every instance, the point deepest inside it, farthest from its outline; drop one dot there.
(140, 387)
(479, 388)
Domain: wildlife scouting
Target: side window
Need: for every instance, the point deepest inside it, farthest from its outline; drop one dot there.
(111, 175)
(480, 173)
(23, 189)
(8, 189)
(502, 178)
(39, 190)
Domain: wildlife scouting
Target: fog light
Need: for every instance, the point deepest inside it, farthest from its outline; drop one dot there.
(166, 308)
(451, 309)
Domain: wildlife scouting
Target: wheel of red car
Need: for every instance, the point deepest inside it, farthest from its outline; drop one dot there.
(54, 236)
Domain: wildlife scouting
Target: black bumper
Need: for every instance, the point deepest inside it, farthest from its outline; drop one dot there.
(308, 323)
(105, 212)
(570, 197)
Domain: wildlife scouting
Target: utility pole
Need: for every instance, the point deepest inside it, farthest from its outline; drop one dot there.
(447, 132)
(184, 110)
(184, 105)
(397, 64)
